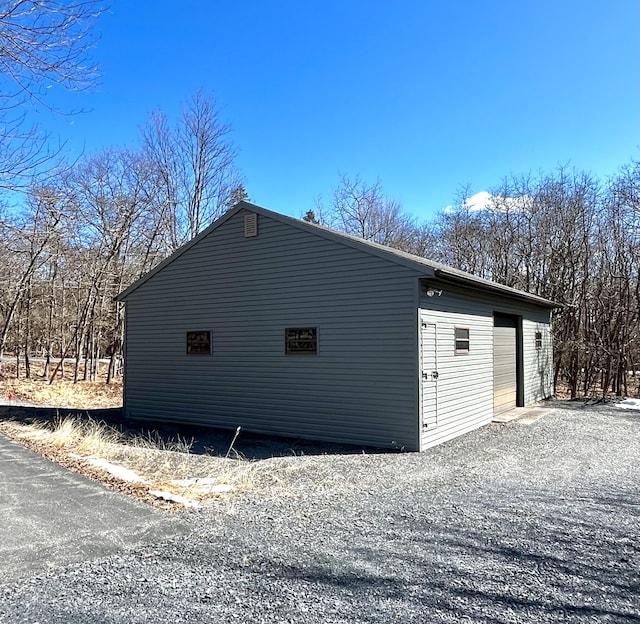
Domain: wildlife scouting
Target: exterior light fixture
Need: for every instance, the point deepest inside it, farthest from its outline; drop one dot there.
(432, 291)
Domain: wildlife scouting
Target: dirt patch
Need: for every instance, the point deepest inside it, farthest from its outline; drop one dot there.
(63, 392)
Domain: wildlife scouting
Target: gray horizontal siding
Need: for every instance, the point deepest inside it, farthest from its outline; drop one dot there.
(538, 363)
(360, 388)
(465, 383)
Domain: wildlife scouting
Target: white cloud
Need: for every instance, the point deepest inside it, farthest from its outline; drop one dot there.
(485, 201)
(479, 201)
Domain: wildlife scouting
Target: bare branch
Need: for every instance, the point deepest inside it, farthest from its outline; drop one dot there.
(43, 43)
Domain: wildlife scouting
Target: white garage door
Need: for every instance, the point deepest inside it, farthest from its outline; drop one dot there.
(505, 376)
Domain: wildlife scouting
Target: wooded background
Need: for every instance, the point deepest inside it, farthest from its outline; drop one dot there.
(563, 235)
(72, 236)
(575, 240)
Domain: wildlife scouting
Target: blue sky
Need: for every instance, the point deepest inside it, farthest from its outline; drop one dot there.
(426, 96)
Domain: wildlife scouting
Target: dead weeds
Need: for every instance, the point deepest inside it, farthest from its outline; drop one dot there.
(63, 392)
(101, 451)
(178, 477)
(165, 473)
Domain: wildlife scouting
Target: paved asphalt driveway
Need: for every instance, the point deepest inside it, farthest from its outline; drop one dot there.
(50, 517)
(516, 522)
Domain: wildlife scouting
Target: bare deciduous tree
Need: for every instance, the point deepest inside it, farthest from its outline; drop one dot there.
(195, 160)
(362, 209)
(44, 44)
(27, 238)
(114, 235)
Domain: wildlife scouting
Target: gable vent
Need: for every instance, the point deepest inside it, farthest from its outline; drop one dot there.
(250, 225)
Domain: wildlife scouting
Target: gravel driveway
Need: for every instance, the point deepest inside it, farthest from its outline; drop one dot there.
(513, 523)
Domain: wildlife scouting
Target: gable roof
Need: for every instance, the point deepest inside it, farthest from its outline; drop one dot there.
(430, 269)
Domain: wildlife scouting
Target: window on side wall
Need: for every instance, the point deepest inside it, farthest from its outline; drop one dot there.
(199, 342)
(538, 340)
(461, 340)
(301, 341)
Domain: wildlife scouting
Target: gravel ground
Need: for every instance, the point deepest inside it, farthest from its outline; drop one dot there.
(512, 523)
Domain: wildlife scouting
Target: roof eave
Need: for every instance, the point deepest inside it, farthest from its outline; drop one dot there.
(428, 269)
(493, 287)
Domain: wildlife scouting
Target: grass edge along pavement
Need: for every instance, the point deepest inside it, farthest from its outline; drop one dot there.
(158, 471)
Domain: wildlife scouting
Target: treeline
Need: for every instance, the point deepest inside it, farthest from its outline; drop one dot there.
(94, 228)
(564, 235)
(575, 240)
(88, 231)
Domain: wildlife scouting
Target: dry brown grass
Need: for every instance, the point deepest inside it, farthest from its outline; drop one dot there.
(82, 395)
(62, 392)
(167, 466)
(76, 443)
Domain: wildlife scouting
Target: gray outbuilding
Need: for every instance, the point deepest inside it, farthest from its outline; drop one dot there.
(284, 327)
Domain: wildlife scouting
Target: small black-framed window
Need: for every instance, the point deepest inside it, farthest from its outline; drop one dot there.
(462, 339)
(301, 341)
(538, 340)
(199, 342)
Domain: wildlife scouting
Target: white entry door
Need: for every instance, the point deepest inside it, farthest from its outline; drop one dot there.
(429, 373)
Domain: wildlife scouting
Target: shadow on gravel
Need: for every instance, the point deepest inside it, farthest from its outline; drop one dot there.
(629, 416)
(583, 403)
(205, 440)
(579, 404)
(607, 406)
(525, 560)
